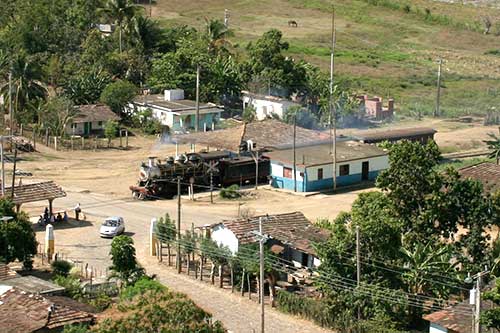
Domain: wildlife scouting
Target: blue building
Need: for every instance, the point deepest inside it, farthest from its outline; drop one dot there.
(179, 114)
(356, 162)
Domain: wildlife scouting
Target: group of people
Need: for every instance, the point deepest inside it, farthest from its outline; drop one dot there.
(47, 216)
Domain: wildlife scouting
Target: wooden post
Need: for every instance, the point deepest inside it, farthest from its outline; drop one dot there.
(72, 147)
(21, 129)
(126, 138)
(33, 134)
(55, 143)
(95, 143)
(47, 137)
(83, 142)
(120, 131)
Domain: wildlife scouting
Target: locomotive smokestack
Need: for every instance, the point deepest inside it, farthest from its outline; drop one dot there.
(151, 161)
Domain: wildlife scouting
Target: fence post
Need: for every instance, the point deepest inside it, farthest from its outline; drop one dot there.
(72, 148)
(95, 143)
(83, 143)
(47, 137)
(55, 143)
(21, 129)
(120, 131)
(126, 138)
(34, 139)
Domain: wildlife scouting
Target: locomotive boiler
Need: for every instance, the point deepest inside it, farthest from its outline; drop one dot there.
(158, 178)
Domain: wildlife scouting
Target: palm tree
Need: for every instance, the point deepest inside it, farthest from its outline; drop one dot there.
(121, 11)
(494, 145)
(217, 34)
(26, 84)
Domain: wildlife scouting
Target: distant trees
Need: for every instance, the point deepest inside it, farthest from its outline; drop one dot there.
(117, 95)
(121, 11)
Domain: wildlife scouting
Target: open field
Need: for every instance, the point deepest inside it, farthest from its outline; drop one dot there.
(381, 48)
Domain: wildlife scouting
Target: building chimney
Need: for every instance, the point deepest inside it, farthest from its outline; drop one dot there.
(174, 95)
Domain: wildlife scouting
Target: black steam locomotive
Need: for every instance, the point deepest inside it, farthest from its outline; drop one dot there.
(158, 179)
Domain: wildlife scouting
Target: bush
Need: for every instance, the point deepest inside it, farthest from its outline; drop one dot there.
(231, 192)
(305, 307)
(142, 286)
(72, 286)
(118, 94)
(61, 267)
(76, 329)
(101, 302)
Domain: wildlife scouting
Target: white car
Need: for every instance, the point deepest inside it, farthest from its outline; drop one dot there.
(112, 226)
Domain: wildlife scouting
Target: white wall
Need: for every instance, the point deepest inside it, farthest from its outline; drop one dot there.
(277, 171)
(435, 328)
(355, 167)
(265, 108)
(225, 237)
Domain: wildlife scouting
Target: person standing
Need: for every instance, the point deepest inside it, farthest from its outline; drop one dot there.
(78, 210)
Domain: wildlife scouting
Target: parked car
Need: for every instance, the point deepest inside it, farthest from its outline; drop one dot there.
(112, 226)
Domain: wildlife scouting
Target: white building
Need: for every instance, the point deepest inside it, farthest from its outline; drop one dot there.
(266, 106)
(290, 235)
(90, 120)
(179, 114)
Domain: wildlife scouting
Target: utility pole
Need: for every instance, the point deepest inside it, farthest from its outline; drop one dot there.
(437, 112)
(262, 239)
(3, 166)
(294, 155)
(11, 107)
(178, 259)
(333, 110)
(358, 266)
(14, 172)
(150, 8)
(196, 126)
(226, 18)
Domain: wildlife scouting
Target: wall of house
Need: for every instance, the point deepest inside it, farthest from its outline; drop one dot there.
(435, 328)
(310, 182)
(279, 181)
(265, 108)
(79, 128)
(225, 237)
(296, 258)
(190, 122)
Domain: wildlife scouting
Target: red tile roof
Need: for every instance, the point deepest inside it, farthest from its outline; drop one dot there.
(24, 312)
(6, 273)
(450, 319)
(292, 229)
(487, 173)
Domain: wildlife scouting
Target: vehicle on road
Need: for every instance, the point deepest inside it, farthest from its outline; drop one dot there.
(112, 226)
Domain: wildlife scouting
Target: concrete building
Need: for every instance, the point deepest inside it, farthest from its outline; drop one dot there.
(373, 107)
(90, 120)
(179, 114)
(266, 106)
(356, 162)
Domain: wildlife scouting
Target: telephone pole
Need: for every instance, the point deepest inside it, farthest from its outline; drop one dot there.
(11, 107)
(262, 239)
(332, 104)
(437, 111)
(14, 172)
(294, 154)
(196, 126)
(358, 266)
(178, 259)
(226, 18)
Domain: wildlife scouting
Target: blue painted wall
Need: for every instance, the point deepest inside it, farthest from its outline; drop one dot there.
(287, 183)
(204, 118)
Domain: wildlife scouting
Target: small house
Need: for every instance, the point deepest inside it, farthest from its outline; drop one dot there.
(356, 162)
(90, 120)
(415, 134)
(267, 106)
(290, 235)
(373, 107)
(176, 112)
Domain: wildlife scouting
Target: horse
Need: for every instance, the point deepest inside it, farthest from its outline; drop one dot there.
(293, 23)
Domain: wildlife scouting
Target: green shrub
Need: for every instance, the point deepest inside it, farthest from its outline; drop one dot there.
(101, 302)
(308, 308)
(231, 192)
(76, 329)
(61, 267)
(72, 286)
(142, 286)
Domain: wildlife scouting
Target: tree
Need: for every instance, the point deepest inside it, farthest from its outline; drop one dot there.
(304, 117)
(122, 11)
(491, 318)
(110, 130)
(494, 145)
(17, 238)
(118, 94)
(26, 84)
(249, 114)
(125, 266)
(217, 34)
(166, 233)
(86, 87)
(56, 114)
(188, 247)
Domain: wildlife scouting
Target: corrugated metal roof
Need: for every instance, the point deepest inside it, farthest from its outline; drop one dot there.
(395, 134)
(35, 192)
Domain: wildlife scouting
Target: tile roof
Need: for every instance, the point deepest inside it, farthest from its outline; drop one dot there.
(292, 229)
(452, 320)
(268, 133)
(322, 154)
(395, 134)
(33, 284)
(487, 173)
(94, 112)
(6, 273)
(35, 192)
(24, 312)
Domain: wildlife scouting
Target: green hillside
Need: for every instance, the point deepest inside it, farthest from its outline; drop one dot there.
(385, 47)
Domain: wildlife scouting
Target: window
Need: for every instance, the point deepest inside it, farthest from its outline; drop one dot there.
(320, 173)
(100, 123)
(344, 170)
(287, 172)
(74, 125)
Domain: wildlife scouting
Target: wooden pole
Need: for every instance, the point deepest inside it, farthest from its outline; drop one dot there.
(14, 172)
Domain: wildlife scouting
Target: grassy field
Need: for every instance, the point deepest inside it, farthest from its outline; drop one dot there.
(385, 47)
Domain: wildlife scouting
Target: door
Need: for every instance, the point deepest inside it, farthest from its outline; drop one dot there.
(87, 127)
(365, 170)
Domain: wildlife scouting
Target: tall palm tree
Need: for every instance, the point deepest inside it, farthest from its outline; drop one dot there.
(217, 34)
(121, 11)
(26, 83)
(494, 145)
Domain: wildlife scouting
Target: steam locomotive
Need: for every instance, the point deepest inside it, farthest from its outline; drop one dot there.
(158, 179)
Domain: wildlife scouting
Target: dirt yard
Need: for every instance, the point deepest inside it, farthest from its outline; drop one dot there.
(111, 172)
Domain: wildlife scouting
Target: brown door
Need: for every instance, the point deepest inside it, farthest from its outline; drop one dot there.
(365, 170)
